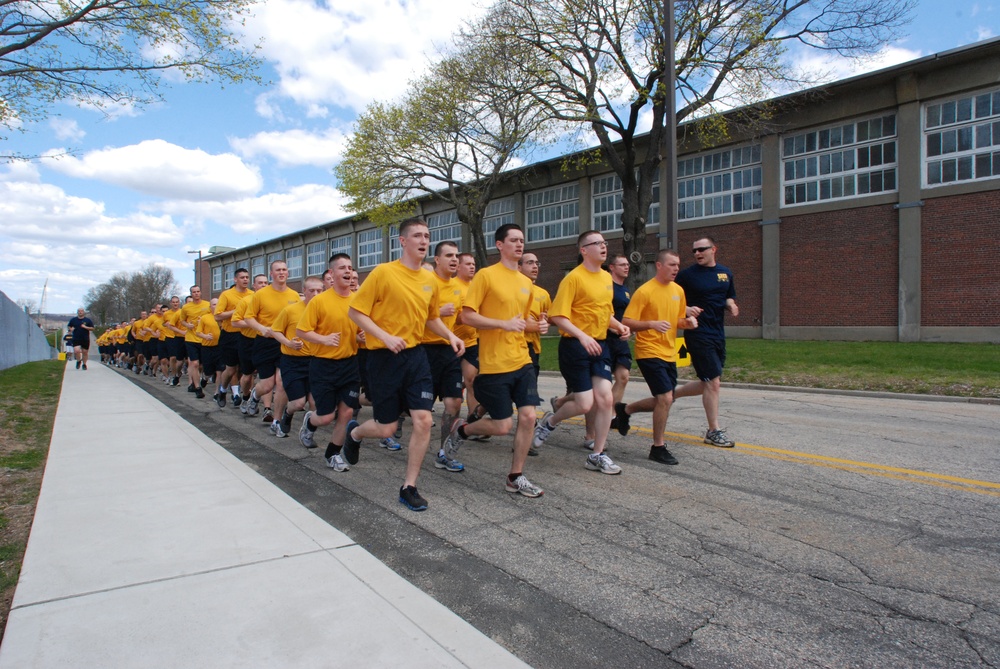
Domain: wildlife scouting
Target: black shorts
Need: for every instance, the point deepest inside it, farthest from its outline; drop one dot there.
(229, 348)
(399, 382)
(708, 356)
(535, 362)
(362, 358)
(471, 355)
(334, 381)
(210, 360)
(295, 375)
(621, 354)
(162, 349)
(149, 348)
(193, 351)
(498, 392)
(246, 355)
(446, 370)
(266, 353)
(660, 375)
(579, 367)
(177, 349)
(82, 343)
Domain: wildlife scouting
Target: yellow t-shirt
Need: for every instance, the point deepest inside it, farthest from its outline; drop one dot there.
(585, 298)
(400, 301)
(501, 293)
(449, 292)
(325, 314)
(539, 305)
(655, 301)
(172, 317)
(267, 303)
(191, 312)
(208, 325)
(286, 322)
(155, 324)
(228, 301)
(468, 334)
(138, 325)
(238, 313)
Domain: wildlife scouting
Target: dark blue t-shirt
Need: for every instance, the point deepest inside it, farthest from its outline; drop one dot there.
(620, 302)
(708, 288)
(79, 333)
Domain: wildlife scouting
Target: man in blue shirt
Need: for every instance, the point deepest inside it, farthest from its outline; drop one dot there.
(710, 293)
(81, 327)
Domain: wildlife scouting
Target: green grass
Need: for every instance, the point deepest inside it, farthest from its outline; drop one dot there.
(968, 370)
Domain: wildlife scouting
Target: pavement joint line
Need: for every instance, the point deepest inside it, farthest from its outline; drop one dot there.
(176, 577)
(856, 466)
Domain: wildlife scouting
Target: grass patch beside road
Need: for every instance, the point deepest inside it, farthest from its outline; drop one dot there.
(27, 412)
(966, 370)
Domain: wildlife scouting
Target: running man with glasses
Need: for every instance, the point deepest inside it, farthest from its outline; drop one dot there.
(710, 293)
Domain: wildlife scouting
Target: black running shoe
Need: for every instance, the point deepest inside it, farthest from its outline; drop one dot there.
(622, 419)
(220, 399)
(352, 449)
(411, 499)
(662, 455)
(204, 382)
(267, 416)
(199, 393)
(191, 388)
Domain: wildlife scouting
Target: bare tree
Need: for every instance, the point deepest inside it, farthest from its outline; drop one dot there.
(453, 135)
(29, 305)
(603, 64)
(113, 52)
(125, 294)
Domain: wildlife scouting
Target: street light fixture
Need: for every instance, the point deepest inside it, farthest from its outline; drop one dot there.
(197, 271)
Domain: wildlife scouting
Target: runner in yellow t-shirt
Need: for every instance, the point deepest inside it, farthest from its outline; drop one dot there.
(229, 351)
(209, 332)
(247, 337)
(191, 313)
(540, 305)
(468, 334)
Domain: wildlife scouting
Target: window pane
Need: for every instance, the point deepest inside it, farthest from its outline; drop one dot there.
(965, 168)
(983, 105)
(933, 116)
(964, 109)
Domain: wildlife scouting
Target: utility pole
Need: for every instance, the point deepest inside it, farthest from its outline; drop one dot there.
(668, 147)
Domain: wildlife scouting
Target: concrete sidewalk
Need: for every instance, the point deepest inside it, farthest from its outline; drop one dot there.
(152, 546)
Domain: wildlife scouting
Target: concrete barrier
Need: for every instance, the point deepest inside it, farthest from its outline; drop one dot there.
(23, 340)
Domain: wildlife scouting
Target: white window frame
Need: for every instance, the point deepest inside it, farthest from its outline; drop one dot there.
(369, 248)
(606, 202)
(342, 244)
(498, 212)
(294, 258)
(444, 226)
(228, 274)
(855, 159)
(316, 258)
(719, 183)
(257, 266)
(552, 213)
(217, 278)
(961, 139)
(395, 248)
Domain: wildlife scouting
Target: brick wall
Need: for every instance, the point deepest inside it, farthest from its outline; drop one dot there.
(959, 260)
(840, 268)
(739, 249)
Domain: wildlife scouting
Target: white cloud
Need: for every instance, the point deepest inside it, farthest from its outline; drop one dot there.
(346, 54)
(294, 147)
(156, 167)
(66, 129)
(828, 66)
(983, 32)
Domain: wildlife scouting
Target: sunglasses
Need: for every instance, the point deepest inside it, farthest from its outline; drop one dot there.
(701, 249)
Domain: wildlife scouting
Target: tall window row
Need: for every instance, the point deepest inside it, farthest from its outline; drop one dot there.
(962, 139)
(606, 202)
(552, 213)
(719, 183)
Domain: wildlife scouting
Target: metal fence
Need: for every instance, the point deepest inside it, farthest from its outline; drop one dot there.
(21, 340)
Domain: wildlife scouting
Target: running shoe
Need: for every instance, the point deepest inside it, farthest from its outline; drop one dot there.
(523, 486)
(237, 400)
(411, 499)
(268, 415)
(336, 463)
(453, 442)
(399, 428)
(390, 444)
(622, 419)
(251, 405)
(542, 431)
(78, 363)
(444, 462)
(277, 429)
(599, 462)
(662, 455)
(719, 438)
(305, 434)
(352, 447)
(220, 399)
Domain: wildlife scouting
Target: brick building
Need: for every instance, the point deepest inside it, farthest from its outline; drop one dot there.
(867, 210)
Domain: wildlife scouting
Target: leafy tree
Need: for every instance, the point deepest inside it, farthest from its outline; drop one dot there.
(113, 52)
(126, 294)
(604, 64)
(452, 135)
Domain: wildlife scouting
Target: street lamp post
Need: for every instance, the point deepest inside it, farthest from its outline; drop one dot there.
(197, 271)
(668, 146)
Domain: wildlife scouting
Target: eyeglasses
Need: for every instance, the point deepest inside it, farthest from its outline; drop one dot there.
(701, 249)
(600, 243)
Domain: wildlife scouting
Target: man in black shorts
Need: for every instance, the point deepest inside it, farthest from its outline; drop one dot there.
(81, 327)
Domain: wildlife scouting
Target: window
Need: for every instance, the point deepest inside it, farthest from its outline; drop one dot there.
(369, 248)
(395, 249)
(606, 202)
(293, 258)
(962, 139)
(498, 212)
(256, 267)
(841, 161)
(340, 245)
(444, 227)
(316, 259)
(217, 278)
(228, 275)
(553, 213)
(271, 257)
(719, 183)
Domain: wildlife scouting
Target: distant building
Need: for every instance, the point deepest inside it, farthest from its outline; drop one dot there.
(868, 210)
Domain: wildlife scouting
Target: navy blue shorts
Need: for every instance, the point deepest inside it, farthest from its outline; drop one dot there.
(82, 343)
(621, 354)
(708, 356)
(334, 381)
(229, 345)
(471, 355)
(177, 348)
(266, 353)
(498, 392)
(660, 375)
(295, 375)
(579, 367)
(193, 351)
(535, 362)
(362, 358)
(163, 349)
(446, 370)
(399, 382)
(210, 360)
(246, 355)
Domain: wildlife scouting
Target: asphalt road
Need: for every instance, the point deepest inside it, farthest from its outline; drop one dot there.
(840, 532)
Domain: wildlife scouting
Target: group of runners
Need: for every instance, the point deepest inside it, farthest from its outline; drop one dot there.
(410, 335)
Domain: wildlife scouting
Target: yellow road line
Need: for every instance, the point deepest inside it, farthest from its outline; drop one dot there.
(856, 466)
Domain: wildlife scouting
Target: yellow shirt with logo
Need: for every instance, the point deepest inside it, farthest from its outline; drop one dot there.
(501, 293)
(192, 312)
(326, 314)
(239, 313)
(286, 322)
(400, 301)
(208, 325)
(655, 301)
(585, 298)
(539, 305)
(172, 317)
(449, 292)
(265, 305)
(228, 301)
(468, 334)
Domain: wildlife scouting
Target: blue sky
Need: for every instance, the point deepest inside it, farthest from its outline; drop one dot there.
(233, 166)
